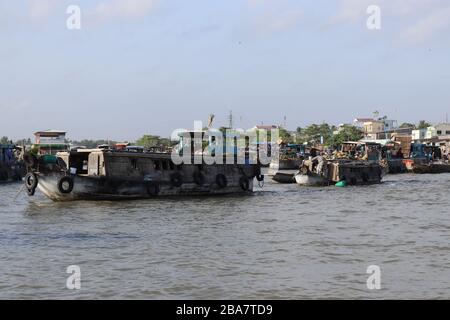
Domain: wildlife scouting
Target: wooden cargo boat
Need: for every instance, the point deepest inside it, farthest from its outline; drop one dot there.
(426, 159)
(431, 167)
(96, 174)
(334, 171)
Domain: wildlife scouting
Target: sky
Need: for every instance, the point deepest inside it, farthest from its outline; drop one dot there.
(151, 66)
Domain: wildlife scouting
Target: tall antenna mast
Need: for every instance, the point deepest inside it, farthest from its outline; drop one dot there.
(230, 120)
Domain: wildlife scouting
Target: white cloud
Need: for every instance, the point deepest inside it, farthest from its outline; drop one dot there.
(278, 21)
(273, 15)
(416, 20)
(354, 10)
(41, 9)
(122, 9)
(427, 27)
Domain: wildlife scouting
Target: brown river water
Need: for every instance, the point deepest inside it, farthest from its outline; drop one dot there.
(282, 242)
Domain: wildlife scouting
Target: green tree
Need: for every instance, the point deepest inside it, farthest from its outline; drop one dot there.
(4, 140)
(407, 125)
(150, 141)
(315, 132)
(347, 133)
(285, 135)
(423, 124)
(91, 144)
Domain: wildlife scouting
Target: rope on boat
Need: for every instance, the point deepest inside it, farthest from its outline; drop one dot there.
(17, 194)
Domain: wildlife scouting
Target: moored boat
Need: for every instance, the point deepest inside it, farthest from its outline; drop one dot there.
(334, 171)
(431, 167)
(102, 174)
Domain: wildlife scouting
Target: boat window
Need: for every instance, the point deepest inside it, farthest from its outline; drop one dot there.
(79, 161)
(165, 165)
(85, 165)
(157, 165)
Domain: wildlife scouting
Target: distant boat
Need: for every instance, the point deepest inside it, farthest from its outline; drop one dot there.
(353, 172)
(11, 168)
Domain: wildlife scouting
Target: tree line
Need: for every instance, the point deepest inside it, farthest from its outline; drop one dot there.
(315, 133)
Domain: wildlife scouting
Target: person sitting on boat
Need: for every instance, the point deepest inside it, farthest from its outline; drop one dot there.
(319, 160)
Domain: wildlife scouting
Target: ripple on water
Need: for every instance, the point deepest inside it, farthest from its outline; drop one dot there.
(282, 242)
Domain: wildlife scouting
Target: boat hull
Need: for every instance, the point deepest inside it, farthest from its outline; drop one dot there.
(431, 168)
(310, 180)
(98, 188)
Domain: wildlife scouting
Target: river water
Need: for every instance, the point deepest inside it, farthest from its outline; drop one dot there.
(282, 242)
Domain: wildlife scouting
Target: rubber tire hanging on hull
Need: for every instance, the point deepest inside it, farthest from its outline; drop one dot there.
(199, 178)
(61, 184)
(31, 180)
(31, 192)
(153, 189)
(221, 181)
(176, 180)
(244, 183)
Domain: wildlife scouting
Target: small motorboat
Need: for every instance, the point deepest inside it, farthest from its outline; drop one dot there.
(284, 176)
(310, 180)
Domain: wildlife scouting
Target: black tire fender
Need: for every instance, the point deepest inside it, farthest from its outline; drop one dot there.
(221, 181)
(62, 187)
(176, 180)
(199, 178)
(31, 180)
(244, 183)
(153, 189)
(31, 192)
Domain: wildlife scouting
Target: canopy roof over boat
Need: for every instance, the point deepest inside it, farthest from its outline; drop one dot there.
(383, 142)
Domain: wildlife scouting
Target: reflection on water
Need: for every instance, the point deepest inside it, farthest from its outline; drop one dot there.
(282, 242)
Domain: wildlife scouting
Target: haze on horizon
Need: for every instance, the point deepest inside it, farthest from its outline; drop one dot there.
(150, 66)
